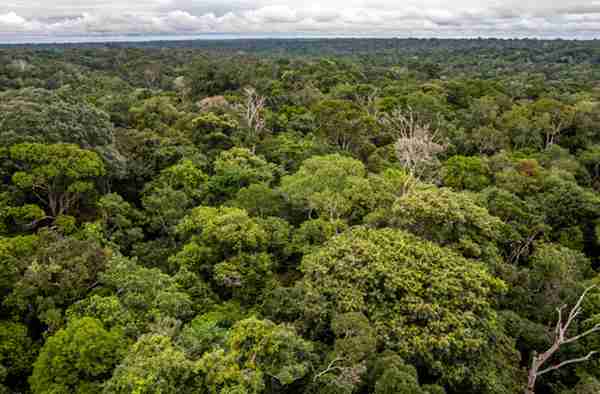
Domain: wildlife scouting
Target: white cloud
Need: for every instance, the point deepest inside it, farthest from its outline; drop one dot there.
(407, 18)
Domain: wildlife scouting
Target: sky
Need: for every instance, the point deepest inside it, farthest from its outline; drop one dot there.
(398, 18)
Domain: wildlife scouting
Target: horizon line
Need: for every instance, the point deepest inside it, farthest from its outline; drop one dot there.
(103, 38)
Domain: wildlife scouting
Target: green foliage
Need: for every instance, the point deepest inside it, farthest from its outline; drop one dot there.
(258, 351)
(325, 185)
(14, 254)
(156, 113)
(342, 124)
(355, 338)
(392, 375)
(42, 116)
(58, 174)
(107, 309)
(260, 200)
(228, 247)
(238, 168)
(11, 216)
(152, 365)
(565, 203)
(452, 219)
(120, 221)
(213, 132)
(289, 150)
(78, 358)
(553, 277)
(223, 232)
(131, 212)
(59, 272)
(17, 352)
(209, 331)
(461, 173)
(526, 223)
(313, 233)
(425, 302)
(147, 293)
(170, 195)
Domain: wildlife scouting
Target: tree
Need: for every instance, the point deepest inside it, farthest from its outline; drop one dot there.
(525, 222)
(14, 217)
(238, 168)
(60, 271)
(155, 113)
(561, 338)
(227, 247)
(213, 132)
(427, 303)
(342, 124)
(260, 200)
(58, 175)
(78, 358)
(460, 172)
(355, 342)
(171, 194)
(326, 185)
(417, 145)
(209, 331)
(289, 150)
(120, 221)
(15, 253)
(390, 374)
(147, 293)
(551, 117)
(253, 118)
(590, 158)
(17, 353)
(450, 219)
(565, 203)
(43, 116)
(259, 354)
(152, 365)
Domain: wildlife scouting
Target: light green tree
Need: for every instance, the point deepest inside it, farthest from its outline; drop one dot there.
(58, 175)
(425, 302)
(78, 358)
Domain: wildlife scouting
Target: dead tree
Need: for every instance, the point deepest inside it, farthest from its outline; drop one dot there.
(417, 143)
(253, 114)
(560, 338)
(369, 102)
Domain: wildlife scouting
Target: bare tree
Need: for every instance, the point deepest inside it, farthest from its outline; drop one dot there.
(152, 75)
(417, 143)
(369, 102)
(560, 338)
(253, 114)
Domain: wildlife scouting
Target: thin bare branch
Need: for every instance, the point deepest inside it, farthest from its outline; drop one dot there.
(578, 337)
(329, 368)
(416, 143)
(560, 339)
(572, 361)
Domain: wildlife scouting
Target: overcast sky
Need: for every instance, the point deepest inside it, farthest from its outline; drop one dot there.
(436, 18)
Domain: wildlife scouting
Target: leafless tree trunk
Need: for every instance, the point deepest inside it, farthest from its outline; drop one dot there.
(560, 339)
(152, 75)
(252, 113)
(417, 144)
(369, 102)
(552, 134)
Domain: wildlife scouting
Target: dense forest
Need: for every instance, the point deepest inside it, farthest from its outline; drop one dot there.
(300, 216)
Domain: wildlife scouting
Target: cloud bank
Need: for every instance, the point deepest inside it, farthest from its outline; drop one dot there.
(436, 18)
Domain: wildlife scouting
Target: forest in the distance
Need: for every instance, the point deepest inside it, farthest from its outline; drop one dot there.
(344, 216)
